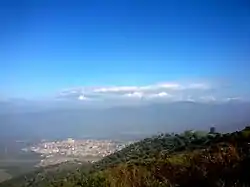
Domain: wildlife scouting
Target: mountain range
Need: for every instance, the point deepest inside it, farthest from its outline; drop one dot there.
(139, 120)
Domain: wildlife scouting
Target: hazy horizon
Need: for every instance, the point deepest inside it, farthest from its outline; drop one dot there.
(124, 121)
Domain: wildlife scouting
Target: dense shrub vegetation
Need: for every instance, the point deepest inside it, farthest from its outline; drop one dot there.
(187, 159)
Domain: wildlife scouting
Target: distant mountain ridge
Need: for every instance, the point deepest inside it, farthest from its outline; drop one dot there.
(115, 121)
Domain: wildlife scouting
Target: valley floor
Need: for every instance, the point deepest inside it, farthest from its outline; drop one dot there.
(4, 175)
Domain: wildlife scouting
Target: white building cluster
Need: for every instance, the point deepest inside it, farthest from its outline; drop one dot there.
(61, 151)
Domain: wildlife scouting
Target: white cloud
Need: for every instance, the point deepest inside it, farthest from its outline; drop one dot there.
(134, 94)
(162, 94)
(169, 86)
(159, 95)
(169, 91)
(82, 97)
(147, 88)
(116, 89)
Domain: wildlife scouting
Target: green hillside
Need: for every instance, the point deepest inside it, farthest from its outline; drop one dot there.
(187, 159)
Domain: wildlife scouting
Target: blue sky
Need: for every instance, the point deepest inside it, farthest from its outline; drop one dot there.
(50, 45)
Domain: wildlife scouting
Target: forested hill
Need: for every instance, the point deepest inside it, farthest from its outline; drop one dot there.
(156, 146)
(187, 159)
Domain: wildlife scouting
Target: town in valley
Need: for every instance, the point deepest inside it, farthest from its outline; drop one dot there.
(88, 150)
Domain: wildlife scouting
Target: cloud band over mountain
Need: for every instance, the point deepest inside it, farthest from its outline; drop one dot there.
(168, 91)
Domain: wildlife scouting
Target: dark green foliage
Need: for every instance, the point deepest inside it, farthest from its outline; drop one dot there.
(155, 146)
